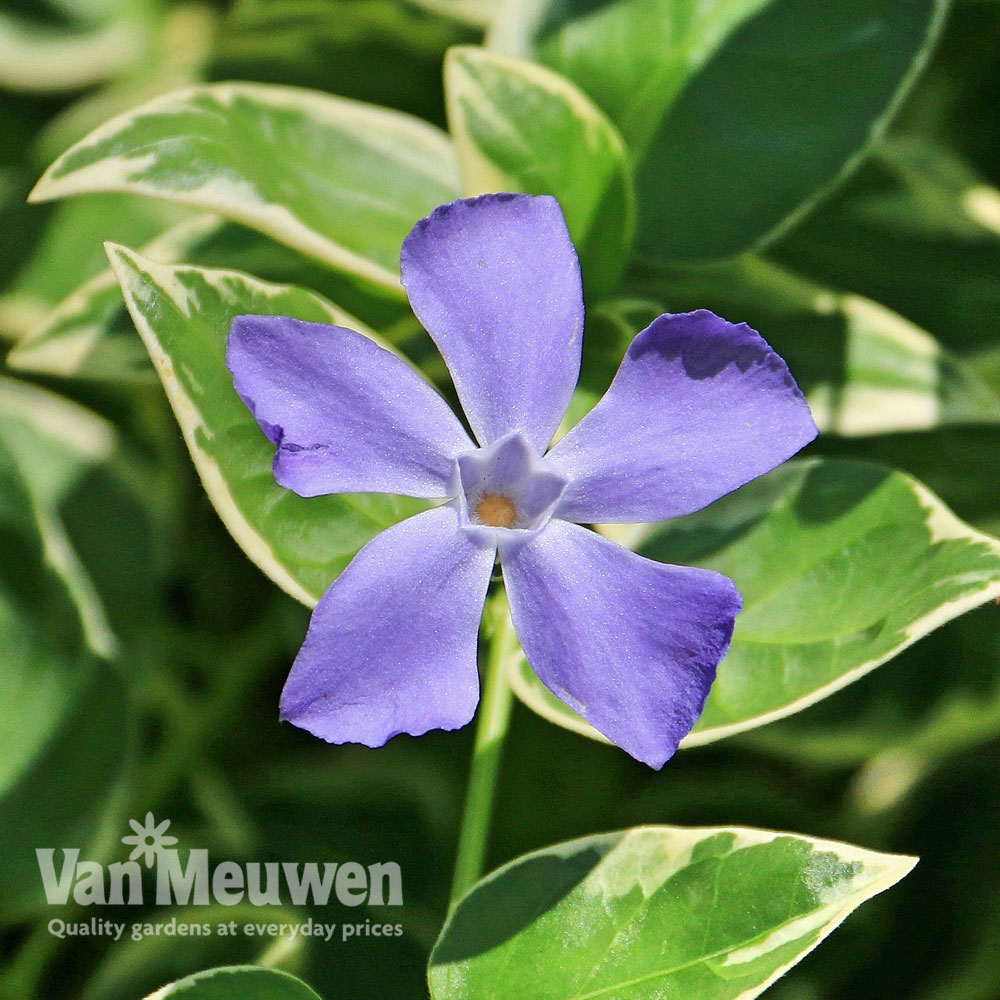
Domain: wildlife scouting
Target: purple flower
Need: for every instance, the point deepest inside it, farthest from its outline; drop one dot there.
(698, 407)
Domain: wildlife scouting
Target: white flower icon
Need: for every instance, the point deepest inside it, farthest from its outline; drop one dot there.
(149, 839)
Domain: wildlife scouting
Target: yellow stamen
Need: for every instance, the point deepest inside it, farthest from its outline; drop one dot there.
(496, 510)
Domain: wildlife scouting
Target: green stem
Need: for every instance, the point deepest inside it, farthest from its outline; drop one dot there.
(491, 729)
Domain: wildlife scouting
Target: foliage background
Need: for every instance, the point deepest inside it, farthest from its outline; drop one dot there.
(183, 723)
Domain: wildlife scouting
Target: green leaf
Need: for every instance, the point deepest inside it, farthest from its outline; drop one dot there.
(245, 982)
(56, 444)
(700, 913)
(71, 251)
(77, 574)
(44, 58)
(918, 229)
(336, 179)
(520, 127)
(46, 660)
(728, 105)
(841, 564)
(134, 967)
(183, 315)
(864, 369)
(72, 790)
(66, 732)
(476, 12)
(90, 334)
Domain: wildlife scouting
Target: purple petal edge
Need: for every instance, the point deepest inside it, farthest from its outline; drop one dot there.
(346, 415)
(391, 647)
(496, 282)
(699, 407)
(630, 644)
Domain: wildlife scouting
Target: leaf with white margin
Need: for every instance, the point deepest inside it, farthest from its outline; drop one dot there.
(713, 913)
(727, 104)
(841, 564)
(479, 13)
(70, 251)
(89, 334)
(864, 369)
(54, 442)
(58, 697)
(518, 126)
(248, 982)
(334, 178)
(45, 58)
(183, 315)
(131, 968)
(918, 228)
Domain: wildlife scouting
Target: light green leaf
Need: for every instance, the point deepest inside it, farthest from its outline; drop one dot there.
(475, 12)
(71, 251)
(520, 127)
(134, 967)
(912, 722)
(917, 229)
(40, 57)
(841, 564)
(711, 97)
(66, 731)
(55, 444)
(865, 369)
(89, 334)
(183, 315)
(46, 659)
(334, 178)
(247, 982)
(716, 913)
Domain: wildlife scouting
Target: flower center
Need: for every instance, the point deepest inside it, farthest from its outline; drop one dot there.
(504, 491)
(496, 510)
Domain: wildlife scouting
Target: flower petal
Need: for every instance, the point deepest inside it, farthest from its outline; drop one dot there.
(629, 643)
(698, 407)
(391, 647)
(496, 282)
(347, 415)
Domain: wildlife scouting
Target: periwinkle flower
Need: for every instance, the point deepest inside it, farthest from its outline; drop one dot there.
(698, 407)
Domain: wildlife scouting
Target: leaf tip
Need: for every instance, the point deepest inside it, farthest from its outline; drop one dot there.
(44, 189)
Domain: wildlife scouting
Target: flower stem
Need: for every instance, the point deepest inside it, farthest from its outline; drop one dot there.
(491, 729)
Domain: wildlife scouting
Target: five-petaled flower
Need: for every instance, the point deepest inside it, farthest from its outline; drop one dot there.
(698, 407)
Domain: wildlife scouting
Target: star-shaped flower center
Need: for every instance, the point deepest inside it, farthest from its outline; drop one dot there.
(506, 491)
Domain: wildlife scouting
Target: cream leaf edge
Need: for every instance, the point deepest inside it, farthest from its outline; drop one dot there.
(679, 843)
(942, 524)
(94, 441)
(126, 264)
(391, 129)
